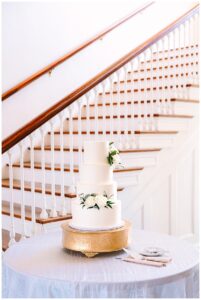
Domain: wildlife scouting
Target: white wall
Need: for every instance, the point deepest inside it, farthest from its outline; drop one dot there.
(168, 202)
(34, 34)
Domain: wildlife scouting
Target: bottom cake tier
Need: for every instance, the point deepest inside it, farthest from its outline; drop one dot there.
(96, 219)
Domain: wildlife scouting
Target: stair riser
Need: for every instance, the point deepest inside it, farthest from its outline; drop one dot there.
(177, 107)
(6, 221)
(161, 141)
(174, 52)
(149, 72)
(174, 58)
(39, 228)
(172, 124)
(145, 95)
(183, 108)
(186, 93)
(148, 84)
(123, 123)
(128, 177)
(38, 198)
(193, 93)
(148, 141)
(172, 62)
(128, 159)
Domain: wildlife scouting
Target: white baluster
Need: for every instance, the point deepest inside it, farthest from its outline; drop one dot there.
(157, 109)
(132, 77)
(196, 49)
(33, 203)
(126, 116)
(104, 108)
(145, 105)
(190, 50)
(185, 59)
(139, 96)
(23, 220)
(169, 80)
(111, 80)
(151, 124)
(72, 185)
(193, 66)
(185, 81)
(88, 114)
(80, 105)
(120, 145)
(196, 42)
(163, 81)
(43, 214)
(63, 206)
(53, 212)
(96, 95)
(174, 72)
(12, 220)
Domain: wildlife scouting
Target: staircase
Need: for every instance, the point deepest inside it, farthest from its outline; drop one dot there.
(146, 107)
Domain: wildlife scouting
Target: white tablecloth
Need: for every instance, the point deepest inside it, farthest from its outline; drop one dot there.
(39, 267)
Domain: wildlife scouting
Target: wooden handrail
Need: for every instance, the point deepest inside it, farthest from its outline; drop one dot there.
(66, 101)
(60, 60)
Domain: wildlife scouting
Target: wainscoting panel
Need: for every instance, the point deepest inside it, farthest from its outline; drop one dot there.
(157, 210)
(171, 205)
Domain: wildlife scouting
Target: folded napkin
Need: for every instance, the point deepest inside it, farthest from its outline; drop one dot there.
(144, 262)
(156, 261)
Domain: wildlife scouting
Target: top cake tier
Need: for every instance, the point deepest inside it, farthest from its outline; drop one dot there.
(96, 152)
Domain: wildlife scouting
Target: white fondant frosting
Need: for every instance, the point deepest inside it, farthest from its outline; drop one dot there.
(93, 218)
(96, 173)
(88, 188)
(95, 152)
(96, 177)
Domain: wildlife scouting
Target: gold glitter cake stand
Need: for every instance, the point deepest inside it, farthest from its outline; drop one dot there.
(92, 243)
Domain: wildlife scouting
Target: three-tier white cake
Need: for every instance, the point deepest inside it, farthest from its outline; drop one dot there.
(96, 206)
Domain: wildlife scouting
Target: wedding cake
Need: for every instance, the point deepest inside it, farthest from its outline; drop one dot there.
(96, 206)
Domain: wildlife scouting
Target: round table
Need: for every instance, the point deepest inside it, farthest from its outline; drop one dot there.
(39, 267)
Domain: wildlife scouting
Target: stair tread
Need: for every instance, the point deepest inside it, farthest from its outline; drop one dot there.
(142, 101)
(129, 91)
(100, 117)
(170, 57)
(151, 78)
(48, 148)
(181, 48)
(121, 132)
(174, 116)
(155, 88)
(156, 132)
(160, 68)
(38, 188)
(192, 85)
(57, 167)
(184, 100)
(28, 217)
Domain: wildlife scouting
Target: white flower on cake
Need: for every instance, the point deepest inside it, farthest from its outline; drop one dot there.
(113, 148)
(90, 201)
(96, 201)
(116, 159)
(113, 156)
(101, 201)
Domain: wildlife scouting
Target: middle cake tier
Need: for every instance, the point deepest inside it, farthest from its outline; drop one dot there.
(96, 173)
(96, 188)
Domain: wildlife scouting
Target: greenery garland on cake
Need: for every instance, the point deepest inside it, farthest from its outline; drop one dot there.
(96, 200)
(113, 156)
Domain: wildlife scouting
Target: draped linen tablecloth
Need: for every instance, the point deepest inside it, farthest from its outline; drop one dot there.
(39, 267)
